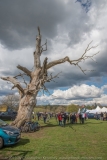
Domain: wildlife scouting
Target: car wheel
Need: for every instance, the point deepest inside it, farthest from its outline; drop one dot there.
(1, 142)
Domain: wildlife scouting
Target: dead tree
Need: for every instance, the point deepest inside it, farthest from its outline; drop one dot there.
(38, 77)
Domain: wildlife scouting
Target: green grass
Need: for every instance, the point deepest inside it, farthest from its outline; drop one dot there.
(77, 141)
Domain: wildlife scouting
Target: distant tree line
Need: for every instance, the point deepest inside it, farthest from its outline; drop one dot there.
(12, 102)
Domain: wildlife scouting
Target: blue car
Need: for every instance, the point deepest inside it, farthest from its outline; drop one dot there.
(8, 135)
(91, 115)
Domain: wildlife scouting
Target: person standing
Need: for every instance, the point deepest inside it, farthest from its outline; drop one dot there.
(64, 118)
(67, 116)
(44, 117)
(80, 118)
(76, 117)
(70, 118)
(38, 115)
(83, 117)
(101, 116)
(60, 119)
(106, 116)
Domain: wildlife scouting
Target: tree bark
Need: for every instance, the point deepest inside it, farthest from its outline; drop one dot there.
(37, 53)
(26, 107)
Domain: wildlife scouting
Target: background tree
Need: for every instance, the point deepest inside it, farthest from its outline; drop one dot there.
(60, 109)
(72, 108)
(11, 101)
(38, 77)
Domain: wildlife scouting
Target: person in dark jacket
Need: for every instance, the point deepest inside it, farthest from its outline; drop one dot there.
(64, 118)
(44, 117)
(80, 118)
(72, 118)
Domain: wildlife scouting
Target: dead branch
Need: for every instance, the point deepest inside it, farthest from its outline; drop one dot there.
(37, 53)
(24, 81)
(15, 82)
(39, 31)
(24, 69)
(44, 70)
(74, 62)
(19, 75)
(46, 90)
(42, 49)
(52, 77)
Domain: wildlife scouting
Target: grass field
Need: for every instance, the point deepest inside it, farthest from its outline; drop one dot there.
(78, 141)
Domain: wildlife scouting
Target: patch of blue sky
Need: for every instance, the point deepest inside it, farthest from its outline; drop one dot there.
(85, 4)
(63, 88)
(99, 82)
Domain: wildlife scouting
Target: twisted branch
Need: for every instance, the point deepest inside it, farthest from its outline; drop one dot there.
(15, 82)
(74, 62)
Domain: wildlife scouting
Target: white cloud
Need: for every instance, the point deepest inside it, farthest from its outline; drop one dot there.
(83, 94)
(102, 100)
(82, 91)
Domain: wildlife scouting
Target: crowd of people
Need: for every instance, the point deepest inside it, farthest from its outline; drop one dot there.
(45, 116)
(101, 116)
(72, 118)
(62, 117)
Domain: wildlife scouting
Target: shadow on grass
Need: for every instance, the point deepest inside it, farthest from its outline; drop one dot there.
(18, 154)
(72, 126)
(22, 142)
(67, 124)
(93, 122)
(49, 125)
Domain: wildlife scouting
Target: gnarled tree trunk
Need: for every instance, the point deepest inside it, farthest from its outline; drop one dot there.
(26, 106)
(28, 100)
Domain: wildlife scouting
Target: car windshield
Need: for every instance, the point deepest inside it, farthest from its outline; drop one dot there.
(2, 123)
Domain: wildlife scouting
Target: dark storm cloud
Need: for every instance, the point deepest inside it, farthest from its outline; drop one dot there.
(99, 67)
(9, 73)
(19, 20)
(68, 79)
(6, 92)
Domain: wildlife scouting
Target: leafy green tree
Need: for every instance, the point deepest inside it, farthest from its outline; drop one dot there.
(72, 108)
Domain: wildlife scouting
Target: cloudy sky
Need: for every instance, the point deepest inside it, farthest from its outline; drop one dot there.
(69, 26)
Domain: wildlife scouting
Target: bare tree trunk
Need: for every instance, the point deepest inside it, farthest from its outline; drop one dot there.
(28, 100)
(26, 107)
